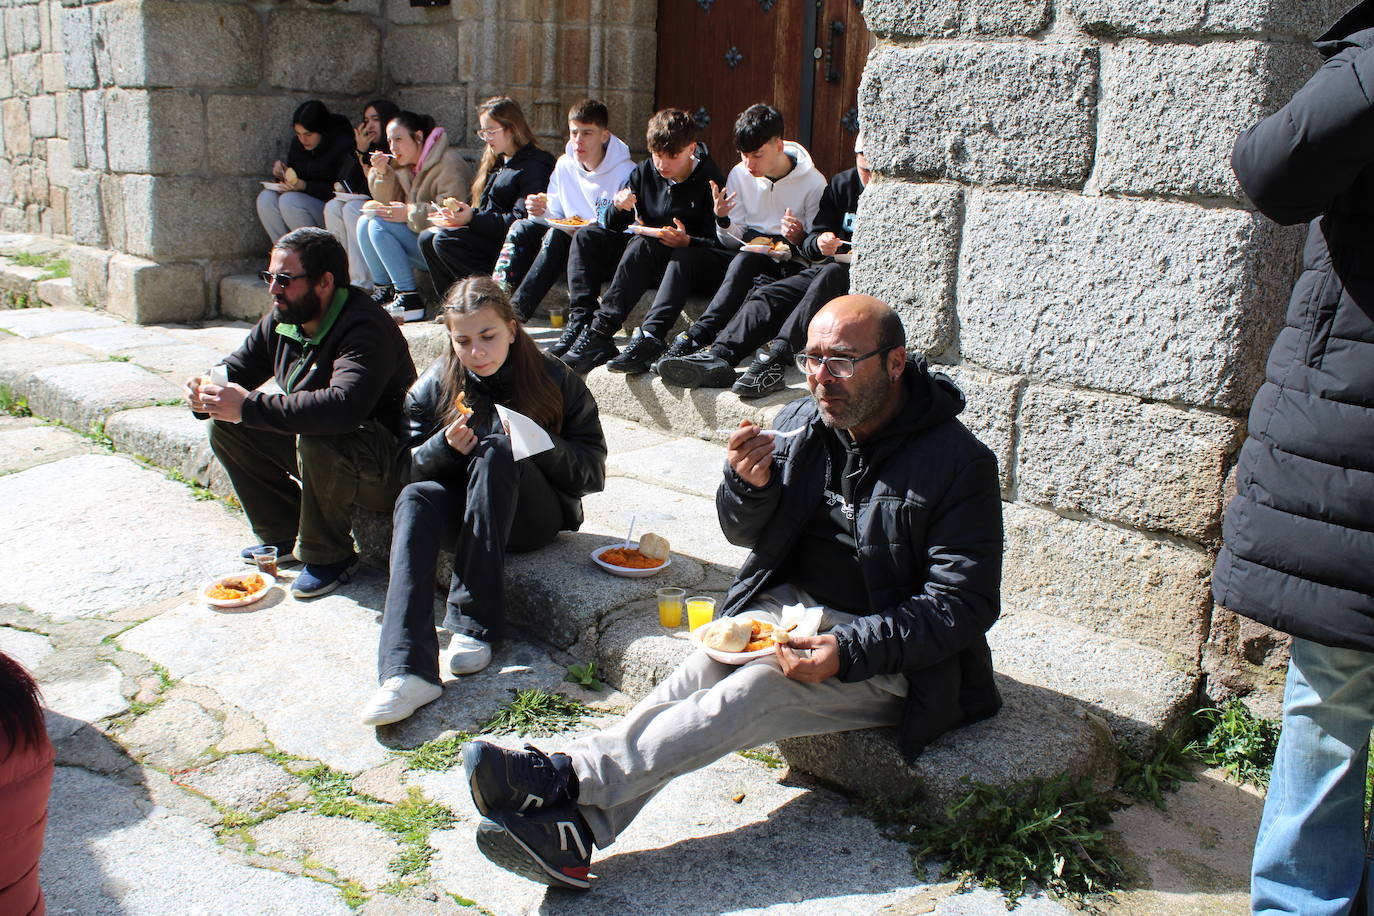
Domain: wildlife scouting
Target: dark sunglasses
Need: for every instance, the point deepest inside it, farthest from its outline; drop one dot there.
(282, 280)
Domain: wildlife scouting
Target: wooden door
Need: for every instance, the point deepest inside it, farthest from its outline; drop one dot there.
(718, 57)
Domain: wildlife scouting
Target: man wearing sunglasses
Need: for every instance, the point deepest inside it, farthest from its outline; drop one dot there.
(883, 510)
(343, 369)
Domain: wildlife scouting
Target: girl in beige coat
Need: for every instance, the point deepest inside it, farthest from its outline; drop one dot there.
(406, 184)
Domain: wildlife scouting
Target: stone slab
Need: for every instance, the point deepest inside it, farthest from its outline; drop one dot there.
(421, 55)
(117, 339)
(906, 243)
(991, 401)
(174, 734)
(1145, 465)
(224, 336)
(86, 394)
(21, 279)
(169, 437)
(176, 362)
(1185, 311)
(1169, 113)
(699, 412)
(1196, 18)
(352, 74)
(159, 132)
(28, 649)
(245, 782)
(351, 849)
(687, 465)
(20, 357)
(35, 445)
(243, 296)
(175, 218)
(110, 853)
(982, 113)
(42, 322)
(58, 293)
(1112, 580)
(625, 436)
(160, 43)
(947, 19)
(1140, 692)
(427, 341)
(146, 291)
(92, 501)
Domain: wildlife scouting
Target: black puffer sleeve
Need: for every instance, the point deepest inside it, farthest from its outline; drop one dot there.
(425, 454)
(1295, 162)
(576, 464)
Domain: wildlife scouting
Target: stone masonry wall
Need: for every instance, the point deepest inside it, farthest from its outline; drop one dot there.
(141, 128)
(1055, 215)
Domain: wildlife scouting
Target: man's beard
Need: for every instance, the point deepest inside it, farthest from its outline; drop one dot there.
(862, 403)
(307, 308)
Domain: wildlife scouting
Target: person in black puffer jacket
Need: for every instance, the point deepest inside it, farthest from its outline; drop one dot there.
(1299, 533)
(321, 153)
(883, 512)
(469, 489)
(512, 168)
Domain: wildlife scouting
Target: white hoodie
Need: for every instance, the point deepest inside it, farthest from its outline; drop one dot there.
(761, 203)
(573, 191)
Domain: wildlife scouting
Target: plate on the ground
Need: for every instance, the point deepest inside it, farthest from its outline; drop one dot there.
(628, 572)
(569, 227)
(776, 254)
(241, 576)
(349, 195)
(275, 186)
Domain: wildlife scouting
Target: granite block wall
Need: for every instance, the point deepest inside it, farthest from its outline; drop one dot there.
(1054, 214)
(141, 128)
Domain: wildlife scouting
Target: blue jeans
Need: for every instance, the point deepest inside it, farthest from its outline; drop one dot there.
(391, 251)
(281, 211)
(1311, 855)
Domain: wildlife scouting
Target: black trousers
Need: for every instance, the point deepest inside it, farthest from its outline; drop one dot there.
(538, 257)
(782, 310)
(454, 254)
(593, 259)
(335, 472)
(744, 272)
(497, 504)
(677, 272)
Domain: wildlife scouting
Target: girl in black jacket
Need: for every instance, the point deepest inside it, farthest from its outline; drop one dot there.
(468, 490)
(468, 241)
(321, 153)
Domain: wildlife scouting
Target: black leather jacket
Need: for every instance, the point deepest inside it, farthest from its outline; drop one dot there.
(928, 525)
(575, 466)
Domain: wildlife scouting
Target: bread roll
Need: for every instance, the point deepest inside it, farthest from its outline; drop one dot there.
(451, 203)
(373, 205)
(728, 634)
(291, 176)
(654, 546)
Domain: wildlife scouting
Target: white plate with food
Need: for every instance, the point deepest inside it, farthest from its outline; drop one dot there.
(275, 186)
(569, 224)
(778, 251)
(649, 557)
(844, 257)
(754, 633)
(237, 589)
(652, 232)
(349, 195)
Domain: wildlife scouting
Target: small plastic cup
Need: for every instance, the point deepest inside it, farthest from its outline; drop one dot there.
(555, 319)
(700, 610)
(219, 375)
(266, 559)
(670, 607)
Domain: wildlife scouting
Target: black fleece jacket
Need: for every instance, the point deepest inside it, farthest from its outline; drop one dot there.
(575, 466)
(839, 203)
(928, 525)
(503, 196)
(333, 160)
(659, 201)
(357, 367)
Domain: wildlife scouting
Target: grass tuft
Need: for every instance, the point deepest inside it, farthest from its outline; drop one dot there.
(1149, 780)
(436, 754)
(1238, 741)
(538, 712)
(763, 757)
(12, 404)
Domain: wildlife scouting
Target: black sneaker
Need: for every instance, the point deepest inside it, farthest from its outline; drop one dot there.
(383, 293)
(522, 781)
(682, 345)
(766, 373)
(636, 358)
(565, 342)
(702, 369)
(551, 846)
(591, 350)
(412, 303)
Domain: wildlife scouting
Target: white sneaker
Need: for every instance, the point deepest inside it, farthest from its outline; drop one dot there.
(398, 698)
(469, 654)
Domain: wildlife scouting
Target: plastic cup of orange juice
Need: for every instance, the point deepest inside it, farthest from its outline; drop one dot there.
(555, 319)
(700, 610)
(670, 607)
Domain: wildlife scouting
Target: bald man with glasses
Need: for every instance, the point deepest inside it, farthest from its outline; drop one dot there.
(884, 511)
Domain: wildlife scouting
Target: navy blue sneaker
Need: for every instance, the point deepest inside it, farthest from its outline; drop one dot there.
(520, 780)
(283, 552)
(317, 579)
(552, 846)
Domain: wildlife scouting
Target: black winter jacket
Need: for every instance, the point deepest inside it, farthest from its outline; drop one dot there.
(503, 196)
(928, 522)
(335, 159)
(1299, 534)
(659, 202)
(357, 367)
(575, 466)
(839, 203)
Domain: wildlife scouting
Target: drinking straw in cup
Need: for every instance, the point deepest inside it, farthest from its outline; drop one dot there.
(700, 610)
(670, 607)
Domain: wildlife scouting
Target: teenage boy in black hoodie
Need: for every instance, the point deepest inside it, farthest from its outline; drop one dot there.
(779, 313)
(669, 198)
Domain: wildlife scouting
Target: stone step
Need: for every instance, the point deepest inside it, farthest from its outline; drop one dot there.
(58, 292)
(243, 296)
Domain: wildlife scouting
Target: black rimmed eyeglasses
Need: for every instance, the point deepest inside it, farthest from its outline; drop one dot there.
(282, 280)
(837, 366)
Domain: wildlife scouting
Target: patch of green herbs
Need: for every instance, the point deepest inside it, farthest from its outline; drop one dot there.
(763, 757)
(1238, 741)
(436, 754)
(1149, 780)
(585, 675)
(119, 358)
(12, 404)
(1046, 833)
(537, 712)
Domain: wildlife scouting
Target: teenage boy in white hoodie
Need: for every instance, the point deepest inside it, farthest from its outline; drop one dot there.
(773, 192)
(595, 164)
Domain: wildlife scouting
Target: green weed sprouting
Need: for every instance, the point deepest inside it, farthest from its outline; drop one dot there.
(1149, 780)
(537, 712)
(1047, 833)
(585, 675)
(15, 406)
(1238, 741)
